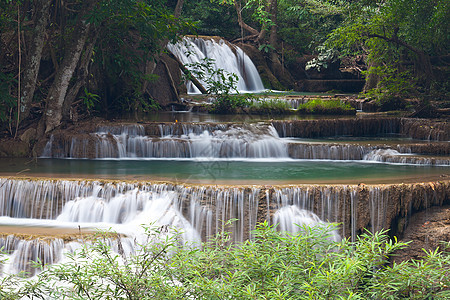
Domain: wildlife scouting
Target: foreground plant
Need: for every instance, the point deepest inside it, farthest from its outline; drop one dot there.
(273, 265)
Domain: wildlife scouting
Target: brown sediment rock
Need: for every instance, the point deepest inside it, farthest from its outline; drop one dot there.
(168, 86)
(426, 230)
(29, 135)
(428, 148)
(436, 130)
(336, 127)
(425, 129)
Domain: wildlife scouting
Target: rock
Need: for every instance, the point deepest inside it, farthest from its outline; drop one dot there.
(29, 135)
(14, 148)
(426, 230)
(342, 85)
(161, 90)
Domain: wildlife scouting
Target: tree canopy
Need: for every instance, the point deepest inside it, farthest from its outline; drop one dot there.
(59, 58)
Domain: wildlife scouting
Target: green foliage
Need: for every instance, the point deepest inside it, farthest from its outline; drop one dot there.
(96, 272)
(89, 99)
(205, 15)
(144, 24)
(7, 101)
(273, 265)
(399, 35)
(219, 83)
(268, 106)
(393, 87)
(227, 103)
(325, 57)
(305, 24)
(135, 102)
(266, 48)
(329, 107)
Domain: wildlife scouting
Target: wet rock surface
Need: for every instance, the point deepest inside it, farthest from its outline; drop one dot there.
(425, 230)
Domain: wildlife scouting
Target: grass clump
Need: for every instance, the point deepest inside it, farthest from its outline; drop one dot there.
(326, 107)
(268, 106)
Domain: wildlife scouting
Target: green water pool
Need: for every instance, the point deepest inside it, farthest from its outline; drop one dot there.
(221, 171)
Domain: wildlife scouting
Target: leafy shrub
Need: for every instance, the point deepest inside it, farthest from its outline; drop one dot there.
(325, 58)
(219, 83)
(273, 265)
(393, 87)
(226, 103)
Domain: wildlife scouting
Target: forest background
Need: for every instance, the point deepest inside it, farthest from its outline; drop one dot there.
(61, 61)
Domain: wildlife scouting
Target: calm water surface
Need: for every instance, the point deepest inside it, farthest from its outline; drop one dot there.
(226, 171)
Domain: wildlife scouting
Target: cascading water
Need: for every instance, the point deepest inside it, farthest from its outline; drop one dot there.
(393, 156)
(230, 142)
(292, 219)
(223, 142)
(198, 211)
(225, 56)
(121, 207)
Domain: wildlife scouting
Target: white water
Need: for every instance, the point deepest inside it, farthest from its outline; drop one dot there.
(120, 207)
(393, 156)
(259, 141)
(198, 211)
(232, 60)
(214, 142)
(294, 220)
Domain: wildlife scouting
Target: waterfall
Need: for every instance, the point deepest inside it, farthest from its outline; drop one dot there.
(225, 56)
(328, 151)
(23, 252)
(242, 141)
(227, 141)
(199, 212)
(210, 142)
(393, 156)
(292, 219)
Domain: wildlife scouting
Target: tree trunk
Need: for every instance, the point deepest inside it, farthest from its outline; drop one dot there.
(178, 9)
(33, 60)
(57, 93)
(372, 79)
(81, 75)
(424, 69)
(150, 65)
(273, 38)
(187, 72)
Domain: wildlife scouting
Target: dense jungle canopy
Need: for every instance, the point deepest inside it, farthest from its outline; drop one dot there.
(65, 60)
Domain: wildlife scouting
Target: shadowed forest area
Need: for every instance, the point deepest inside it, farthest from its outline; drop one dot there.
(63, 61)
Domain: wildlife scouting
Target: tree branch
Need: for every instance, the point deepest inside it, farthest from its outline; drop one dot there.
(241, 22)
(395, 40)
(187, 72)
